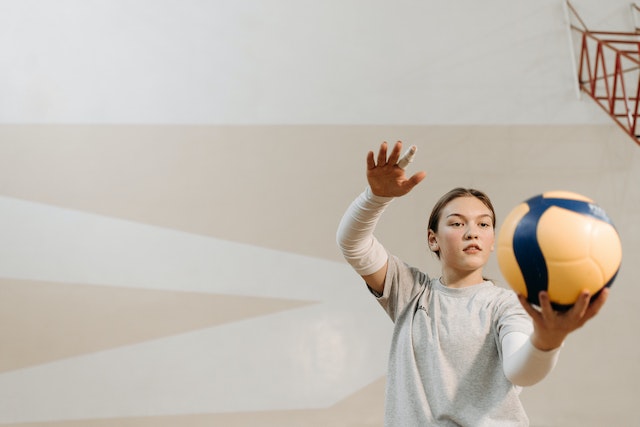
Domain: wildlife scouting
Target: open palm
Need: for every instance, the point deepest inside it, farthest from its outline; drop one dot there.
(385, 177)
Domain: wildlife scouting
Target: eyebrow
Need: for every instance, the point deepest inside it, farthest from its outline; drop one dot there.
(463, 216)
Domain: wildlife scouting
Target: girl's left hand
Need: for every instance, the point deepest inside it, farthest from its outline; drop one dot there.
(551, 327)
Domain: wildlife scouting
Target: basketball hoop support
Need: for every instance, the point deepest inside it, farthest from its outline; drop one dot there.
(608, 69)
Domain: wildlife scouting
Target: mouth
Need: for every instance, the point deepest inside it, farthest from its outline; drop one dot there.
(472, 249)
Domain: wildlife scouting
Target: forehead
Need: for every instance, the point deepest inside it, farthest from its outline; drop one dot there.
(467, 206)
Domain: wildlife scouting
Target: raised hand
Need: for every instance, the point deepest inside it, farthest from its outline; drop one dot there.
(386, 178)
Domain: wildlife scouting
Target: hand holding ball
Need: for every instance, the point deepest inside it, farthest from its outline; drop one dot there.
(561, 242)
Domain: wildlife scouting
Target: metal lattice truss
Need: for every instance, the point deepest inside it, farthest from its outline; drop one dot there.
(608, 69)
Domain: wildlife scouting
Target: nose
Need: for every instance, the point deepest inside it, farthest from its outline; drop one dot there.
(471, 233)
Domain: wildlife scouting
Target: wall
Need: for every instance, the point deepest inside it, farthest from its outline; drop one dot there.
(172, 174)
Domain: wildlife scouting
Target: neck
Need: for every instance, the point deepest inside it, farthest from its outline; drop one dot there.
(457, 279)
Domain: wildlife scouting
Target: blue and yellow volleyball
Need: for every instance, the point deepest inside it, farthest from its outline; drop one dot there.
(561, 242)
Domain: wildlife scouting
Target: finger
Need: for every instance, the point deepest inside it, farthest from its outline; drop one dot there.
(545, 304)
(370, 160)
(580, 307)
(597, 303)
(382, 154)
(407, 157)
(535, 314)
(408, 184)
(395, 153)
(416, 178)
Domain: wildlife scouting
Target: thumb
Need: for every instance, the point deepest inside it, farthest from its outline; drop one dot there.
(415, 179)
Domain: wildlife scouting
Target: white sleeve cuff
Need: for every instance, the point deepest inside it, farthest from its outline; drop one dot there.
(355, 236)
(523, 363)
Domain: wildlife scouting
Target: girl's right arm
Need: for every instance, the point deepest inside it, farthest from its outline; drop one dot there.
(358, 244)
(355, 237)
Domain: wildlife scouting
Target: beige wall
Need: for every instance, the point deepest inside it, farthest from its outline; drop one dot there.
(172, 174)
(188, 275)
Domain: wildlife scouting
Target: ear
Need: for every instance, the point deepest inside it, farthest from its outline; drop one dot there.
(432, 240)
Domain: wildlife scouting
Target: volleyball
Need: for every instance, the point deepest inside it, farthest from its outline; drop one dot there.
(561, 242)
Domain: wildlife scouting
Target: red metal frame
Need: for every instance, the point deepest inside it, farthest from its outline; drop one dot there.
(609, 73)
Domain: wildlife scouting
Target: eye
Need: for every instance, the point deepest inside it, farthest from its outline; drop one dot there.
(456, 224)
(486, 225)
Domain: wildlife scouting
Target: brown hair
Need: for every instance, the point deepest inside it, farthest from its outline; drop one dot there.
(434, 218)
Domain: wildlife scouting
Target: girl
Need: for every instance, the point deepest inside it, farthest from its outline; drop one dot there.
(462, 347)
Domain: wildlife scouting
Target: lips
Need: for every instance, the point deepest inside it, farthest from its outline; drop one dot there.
(472, 248)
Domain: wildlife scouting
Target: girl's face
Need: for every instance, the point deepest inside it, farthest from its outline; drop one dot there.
(465, 236)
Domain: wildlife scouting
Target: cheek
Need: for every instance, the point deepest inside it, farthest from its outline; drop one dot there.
(449, 241)
(491, 240)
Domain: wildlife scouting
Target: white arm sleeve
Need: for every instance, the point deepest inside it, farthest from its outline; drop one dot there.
(355, 233)
(523, 364)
